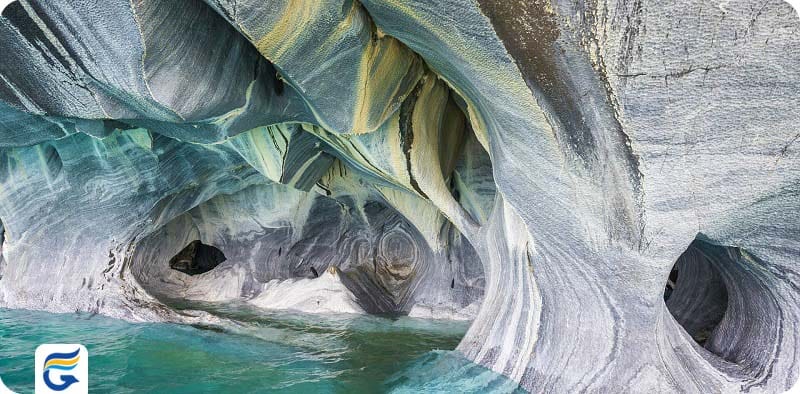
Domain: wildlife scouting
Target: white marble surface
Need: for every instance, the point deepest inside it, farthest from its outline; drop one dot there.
(549, 161)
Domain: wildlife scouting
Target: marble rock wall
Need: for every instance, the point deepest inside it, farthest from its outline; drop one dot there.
(543, 167)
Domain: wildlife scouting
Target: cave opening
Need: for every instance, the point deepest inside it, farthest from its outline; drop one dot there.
(342, 202)
(724, 297)
(696, 293)
(197, 258)
(287, 249)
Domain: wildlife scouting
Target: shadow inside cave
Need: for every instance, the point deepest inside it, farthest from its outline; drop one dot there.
(197, 258)
(695, 293)
(726, 299)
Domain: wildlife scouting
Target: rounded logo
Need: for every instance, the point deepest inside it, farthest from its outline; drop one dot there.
(62, 368)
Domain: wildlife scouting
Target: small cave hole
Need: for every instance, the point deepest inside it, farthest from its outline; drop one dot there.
(197, 258)
(695, 292)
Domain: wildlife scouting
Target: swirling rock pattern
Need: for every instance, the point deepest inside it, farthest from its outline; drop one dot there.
(539, 166)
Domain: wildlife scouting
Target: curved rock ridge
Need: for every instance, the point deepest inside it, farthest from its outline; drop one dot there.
(544, 168)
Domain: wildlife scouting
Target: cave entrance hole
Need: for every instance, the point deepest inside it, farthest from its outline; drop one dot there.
(695, 293)
(727, 299)
(197, 258)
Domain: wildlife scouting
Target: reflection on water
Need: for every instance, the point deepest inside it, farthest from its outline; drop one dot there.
(256, 352)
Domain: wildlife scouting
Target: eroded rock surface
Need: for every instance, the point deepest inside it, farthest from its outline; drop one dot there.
(538, 166)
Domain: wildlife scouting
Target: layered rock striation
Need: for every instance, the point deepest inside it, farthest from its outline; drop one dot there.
(545, 168)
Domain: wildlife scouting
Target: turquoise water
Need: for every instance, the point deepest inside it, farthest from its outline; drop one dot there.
(256, 353)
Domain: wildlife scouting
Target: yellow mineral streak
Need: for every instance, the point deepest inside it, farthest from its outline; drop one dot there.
(263, 148)
(299, 174)
(296, 17)
(357, 149)
(508, 80)
(386, 70)
(387, 74)
(429, 131)
(236, 112)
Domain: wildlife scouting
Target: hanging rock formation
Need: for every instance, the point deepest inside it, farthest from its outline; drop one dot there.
(539, 166)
